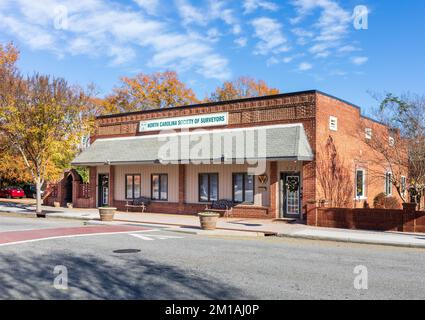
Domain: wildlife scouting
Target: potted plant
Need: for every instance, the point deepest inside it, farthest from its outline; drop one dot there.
(208, 220)
(107, 213)
(56, 204)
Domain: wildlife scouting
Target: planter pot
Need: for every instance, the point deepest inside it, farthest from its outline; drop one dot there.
(107, 213)
(56, 204)
(208, 220)
(69, 205)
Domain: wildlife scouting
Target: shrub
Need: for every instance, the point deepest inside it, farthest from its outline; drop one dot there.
(382, 201)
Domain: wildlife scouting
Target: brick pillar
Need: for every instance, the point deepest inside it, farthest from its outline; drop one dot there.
(274, 190)
(111, 185)
(93, 186)
(311, 212)
(409, 217)
(182, 188)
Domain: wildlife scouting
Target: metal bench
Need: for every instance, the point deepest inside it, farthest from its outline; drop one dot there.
(223, 207)
(139, 203)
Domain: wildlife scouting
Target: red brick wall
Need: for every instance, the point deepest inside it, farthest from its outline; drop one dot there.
(407, 220)
(350, 144)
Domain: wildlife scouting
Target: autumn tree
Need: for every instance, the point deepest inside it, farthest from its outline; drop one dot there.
(243, 87)
(149, 91)
(41, 119)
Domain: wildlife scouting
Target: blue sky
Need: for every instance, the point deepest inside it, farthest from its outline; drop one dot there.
(293, 45)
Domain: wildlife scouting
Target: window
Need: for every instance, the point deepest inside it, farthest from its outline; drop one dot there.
(243, 188)
(360, 183)
(333, 123)
(391, 141)
(132, 186)
(388, 183)
(368, 133)
(159, 187)
(208, 187)
(403, 184)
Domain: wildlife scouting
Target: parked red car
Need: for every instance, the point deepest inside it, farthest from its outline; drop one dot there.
(12, 192)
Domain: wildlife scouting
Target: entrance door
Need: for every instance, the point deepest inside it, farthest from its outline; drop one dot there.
(290, 187)
(103, 196)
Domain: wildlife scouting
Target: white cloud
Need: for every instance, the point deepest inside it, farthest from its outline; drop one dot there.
(359, 60)
(332, 25)
(304, 66)
(272, 61)
(100, 28)
(241, 42)
(150, 6)
(252, 5)
(190, 14)
(269, 31)
(288, 59)
(348, 49)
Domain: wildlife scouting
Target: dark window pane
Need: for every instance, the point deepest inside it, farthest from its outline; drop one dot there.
(129, 188)
(203, 187)
(360, 191)
(164, 187)
(238, 188)
(213, 187)
(249, 188)
(155, 187)
(137, 187)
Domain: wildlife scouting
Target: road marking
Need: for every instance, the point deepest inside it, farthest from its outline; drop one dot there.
(20, 237)
(152, 237)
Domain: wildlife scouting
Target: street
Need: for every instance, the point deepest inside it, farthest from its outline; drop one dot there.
(153, 263)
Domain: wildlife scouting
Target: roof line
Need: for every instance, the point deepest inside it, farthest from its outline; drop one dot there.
(207, 104)
(219, 103)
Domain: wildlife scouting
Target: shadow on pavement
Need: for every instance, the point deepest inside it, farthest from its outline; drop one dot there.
(131, 276)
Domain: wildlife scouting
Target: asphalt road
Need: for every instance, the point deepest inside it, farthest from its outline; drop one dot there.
(181, 266)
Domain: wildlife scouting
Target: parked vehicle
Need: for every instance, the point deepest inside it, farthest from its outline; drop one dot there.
(12, 192)
(31, 191)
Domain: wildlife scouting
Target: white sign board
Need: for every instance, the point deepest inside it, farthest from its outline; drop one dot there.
(196, 121)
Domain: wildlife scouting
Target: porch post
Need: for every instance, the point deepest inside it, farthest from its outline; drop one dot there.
(274, 189)
(182, 188)
(93, 186)
(111, 185)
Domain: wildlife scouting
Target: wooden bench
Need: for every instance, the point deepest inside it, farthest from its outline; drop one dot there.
(139, 203)
(223, 207)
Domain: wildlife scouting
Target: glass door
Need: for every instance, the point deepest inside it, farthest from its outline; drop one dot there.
(291, 194)
(103, 199)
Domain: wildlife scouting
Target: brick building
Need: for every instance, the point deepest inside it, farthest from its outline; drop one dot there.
(130, 156)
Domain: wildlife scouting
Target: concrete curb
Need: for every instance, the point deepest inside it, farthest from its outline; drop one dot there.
(349, 240)
(220, 231)
(186, 230)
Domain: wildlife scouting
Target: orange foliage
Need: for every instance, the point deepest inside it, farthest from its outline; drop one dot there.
(149, 91)
(243, 87)
(9, 54)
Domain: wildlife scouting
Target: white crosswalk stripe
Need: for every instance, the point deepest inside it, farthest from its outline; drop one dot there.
(152, 237)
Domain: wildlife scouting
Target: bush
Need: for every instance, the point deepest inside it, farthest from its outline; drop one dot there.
(382, 201)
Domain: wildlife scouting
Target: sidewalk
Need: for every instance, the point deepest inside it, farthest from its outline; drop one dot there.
(229, 226)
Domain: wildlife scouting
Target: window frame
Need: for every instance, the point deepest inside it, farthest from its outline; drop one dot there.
(209, 174)
(363, 196)
(159, 186)
(244, 174)
(133, 184)
(403, 182)
(368, 133)
(335, 120)
(388, 187)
